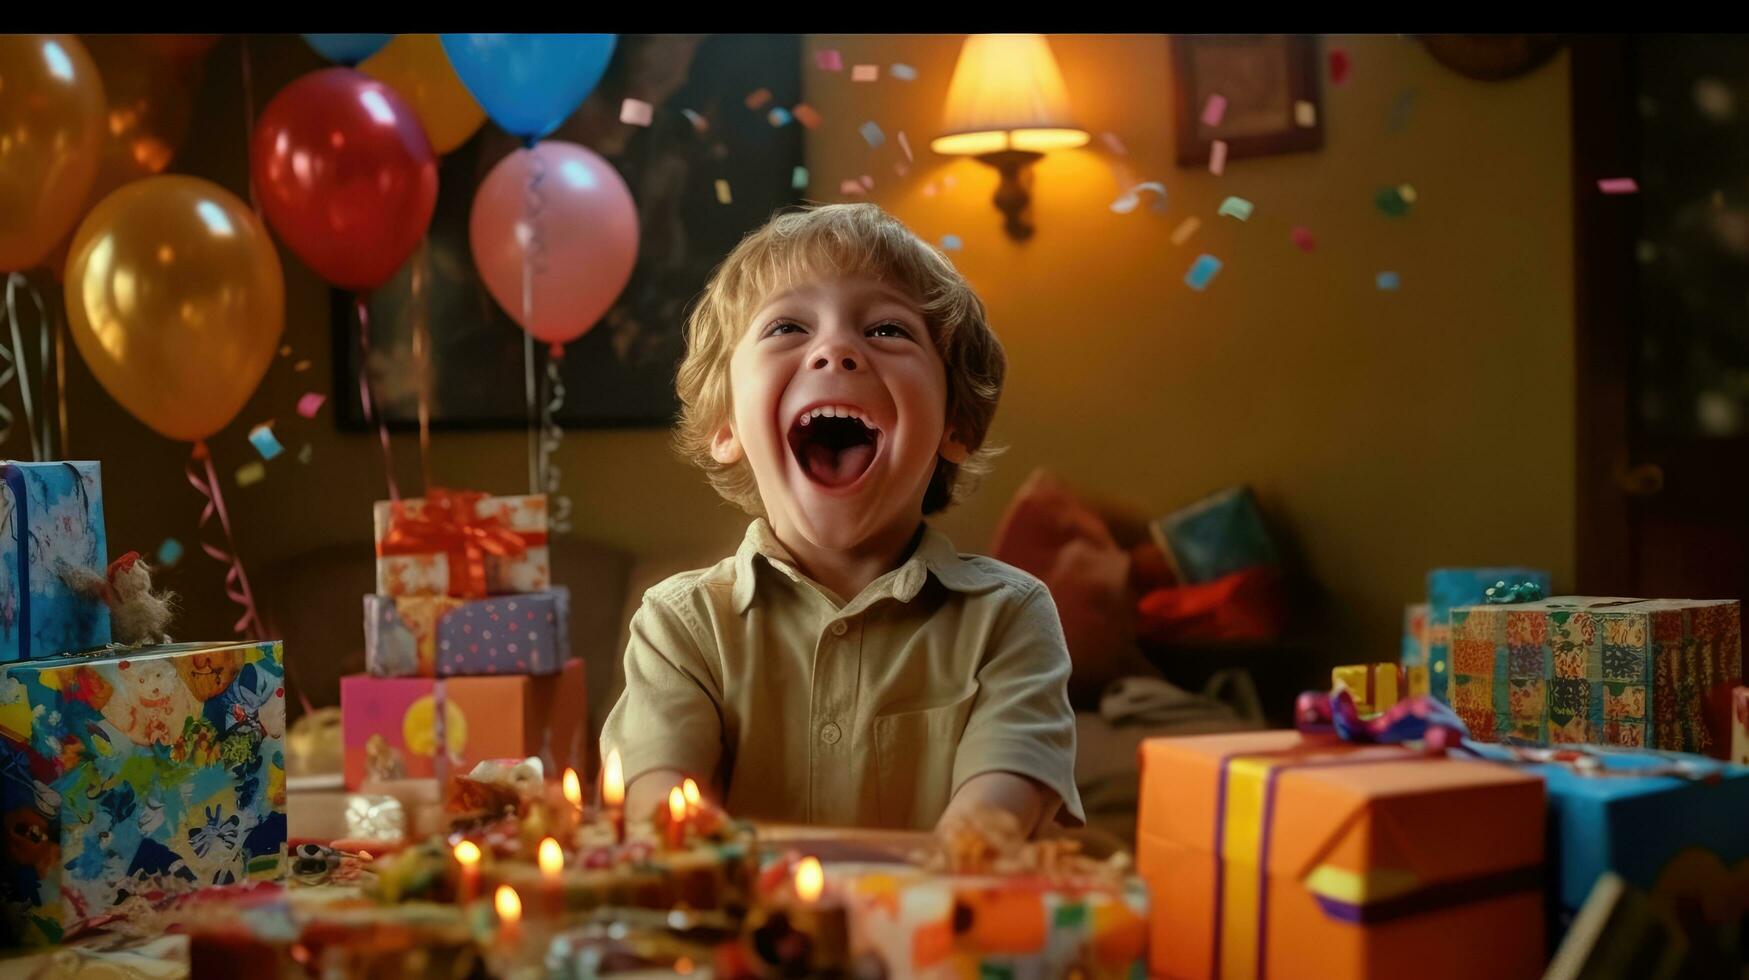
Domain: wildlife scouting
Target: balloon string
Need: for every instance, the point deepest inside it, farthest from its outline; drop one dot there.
(16, 367)
(61, 384)
(371, 416)
(422, 357)
(533, 252)
(248, 110)
(236, 581)
(558, 505)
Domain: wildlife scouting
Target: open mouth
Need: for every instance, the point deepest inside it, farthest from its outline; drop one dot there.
(834, 444)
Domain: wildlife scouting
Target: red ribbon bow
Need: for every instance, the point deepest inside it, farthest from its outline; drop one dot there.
(451, 523)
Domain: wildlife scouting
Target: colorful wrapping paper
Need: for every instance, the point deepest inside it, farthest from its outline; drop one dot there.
(1218, 535)
(1415, 635)
(440, 636)
(1378, 686)
(1651, 673)
(51, 528)
(391, 727)
(949, 926)
(139, 775)
(1448, 588)
(461, 543)
(1268, 854)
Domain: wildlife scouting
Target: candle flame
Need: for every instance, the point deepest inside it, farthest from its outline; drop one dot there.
(676, 804)
(468, 853)
(508, 904)
(690, 788)
(810, 879)
(613, 780)
(552, 858)
(573, 788)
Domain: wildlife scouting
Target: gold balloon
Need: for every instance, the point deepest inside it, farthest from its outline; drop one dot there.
(176, 300)
(51, 122)
(415, 66)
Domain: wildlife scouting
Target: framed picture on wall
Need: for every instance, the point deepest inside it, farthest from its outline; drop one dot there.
(1268, 84)
(704, 129)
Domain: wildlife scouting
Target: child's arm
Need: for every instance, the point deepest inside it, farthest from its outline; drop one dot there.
(1029, 800)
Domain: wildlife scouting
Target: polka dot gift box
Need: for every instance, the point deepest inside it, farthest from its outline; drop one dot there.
(440, 636)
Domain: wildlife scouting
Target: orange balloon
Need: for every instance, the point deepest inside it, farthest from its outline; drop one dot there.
(415, 66)
(176, 300)
(51, 122)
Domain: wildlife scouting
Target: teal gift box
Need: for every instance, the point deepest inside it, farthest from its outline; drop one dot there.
(1218, 535)
(51, 534)
(136, 776)
(1448, 588)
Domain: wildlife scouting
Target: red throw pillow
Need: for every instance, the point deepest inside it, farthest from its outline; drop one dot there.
(1245, 606)
(1044, 516)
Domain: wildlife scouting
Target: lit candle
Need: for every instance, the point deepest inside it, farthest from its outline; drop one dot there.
(810, 880)
(467, 854)
(824, 921)
(676, 818)
(573, 790)
(693, 798)
(552, 865)
(509, 907)
(613, 794)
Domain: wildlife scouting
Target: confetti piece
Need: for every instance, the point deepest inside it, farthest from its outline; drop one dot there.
(851, 187)
(1618, 185)
(1390, 201)
(723, 195)
(1398, 119)
(301, 366)
(1302, 239)
(1407, 193)
(261, 437)
(1185, 229)
(798, 178)
(251, 473)
(305, 453)
(1338, 66)
(865, 73)
(951, 243)
(867, 182)
(285, 351)
(829, 60)
(902, 72)
(756, 100)
(1237, 207)
(310, 404)
(779, 117)
(1132, 198)
(901, 168)
(1387, 282)
(636, 112)
(1218, 157)
(905, 145)
(169, 553)
(929, 189)
(1305, 114)
(699, 123)
(807, 115)
(1202, 271)
(1113, 144)
(871, 134)
(1214, 111)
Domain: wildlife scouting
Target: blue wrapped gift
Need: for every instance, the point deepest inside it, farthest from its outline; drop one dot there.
(51, 536)
(1214, 537)
(1448, 588)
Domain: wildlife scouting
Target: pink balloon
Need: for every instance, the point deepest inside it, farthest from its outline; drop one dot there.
(583, 244)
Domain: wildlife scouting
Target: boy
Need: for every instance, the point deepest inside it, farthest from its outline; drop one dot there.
(846, 666)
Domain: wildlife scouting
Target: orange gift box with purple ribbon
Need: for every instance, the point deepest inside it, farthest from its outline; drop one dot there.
(462, 543)
(1275, 854)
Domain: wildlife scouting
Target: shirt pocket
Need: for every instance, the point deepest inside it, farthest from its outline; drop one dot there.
(914, 754)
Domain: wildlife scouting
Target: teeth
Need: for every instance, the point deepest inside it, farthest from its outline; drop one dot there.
(838, 412)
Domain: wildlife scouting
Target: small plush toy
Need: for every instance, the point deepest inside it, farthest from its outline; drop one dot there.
(138, 616)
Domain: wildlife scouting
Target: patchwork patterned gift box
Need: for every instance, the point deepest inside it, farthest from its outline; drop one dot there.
(440, 636)
(1271, 855)
(1448, 588)
(1652, 673)
(391, 727)
(51, 530)
(462, 543)
(138, 775)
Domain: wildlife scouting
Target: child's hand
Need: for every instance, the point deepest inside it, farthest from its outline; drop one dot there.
(1028, 800)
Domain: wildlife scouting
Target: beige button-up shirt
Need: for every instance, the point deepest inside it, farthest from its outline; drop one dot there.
(804, 708)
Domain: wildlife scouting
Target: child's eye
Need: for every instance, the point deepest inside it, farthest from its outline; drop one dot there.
(782, 327)
(889, 329)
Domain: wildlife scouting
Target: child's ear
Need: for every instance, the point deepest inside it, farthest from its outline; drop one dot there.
(952, 449)
(725, 447)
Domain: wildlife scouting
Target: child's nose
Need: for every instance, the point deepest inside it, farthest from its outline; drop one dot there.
(847, 362)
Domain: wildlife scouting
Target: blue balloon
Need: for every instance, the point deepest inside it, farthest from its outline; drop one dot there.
(529, 83)
(347, 49)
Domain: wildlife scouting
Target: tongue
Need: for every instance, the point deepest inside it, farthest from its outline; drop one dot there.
(837, 467)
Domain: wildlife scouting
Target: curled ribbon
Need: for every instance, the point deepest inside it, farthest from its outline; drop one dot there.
(552, 435)
(15, 370)
(450, 522)
(236, 581)
(1420, 718)
(1501, 594)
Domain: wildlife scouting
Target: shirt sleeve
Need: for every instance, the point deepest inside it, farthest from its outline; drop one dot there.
(1021, 721)
(668, 716)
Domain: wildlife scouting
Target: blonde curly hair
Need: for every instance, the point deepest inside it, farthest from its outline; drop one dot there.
(842, 241)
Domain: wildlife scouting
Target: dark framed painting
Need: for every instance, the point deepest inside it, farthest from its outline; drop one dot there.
(710, 123)
(1269, 86)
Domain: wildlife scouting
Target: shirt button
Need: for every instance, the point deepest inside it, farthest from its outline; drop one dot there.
(830, 734)
(840, 628)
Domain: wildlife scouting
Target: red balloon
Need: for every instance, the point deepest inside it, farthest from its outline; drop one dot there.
(344, 175)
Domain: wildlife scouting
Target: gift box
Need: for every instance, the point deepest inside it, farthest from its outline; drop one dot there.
(1740, 726)
(51, 538)
(461, 543)
(442, 636)
(1675, 826)
(1376, 687)
(1267, 854)
(1448, 588)
(1415, 635)
(1653, 673)
(392, 726)
(1214, 537)
(138, 775)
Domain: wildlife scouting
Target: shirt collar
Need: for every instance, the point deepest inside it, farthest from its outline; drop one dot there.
(934, 555)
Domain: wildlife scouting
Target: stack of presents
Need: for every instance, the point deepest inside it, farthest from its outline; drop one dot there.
(128, 774)
(1593, 805)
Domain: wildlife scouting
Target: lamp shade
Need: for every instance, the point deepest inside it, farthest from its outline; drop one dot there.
(1007, 94)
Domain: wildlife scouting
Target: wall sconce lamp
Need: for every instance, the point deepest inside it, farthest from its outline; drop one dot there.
(1007, 106)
